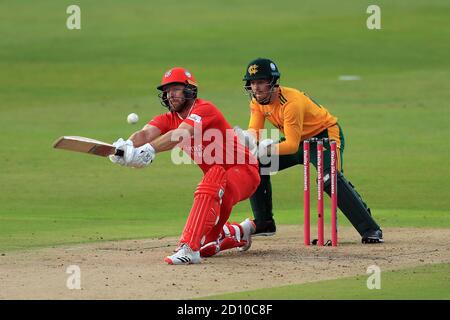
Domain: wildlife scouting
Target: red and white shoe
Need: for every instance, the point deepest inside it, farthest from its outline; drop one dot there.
(184, 256)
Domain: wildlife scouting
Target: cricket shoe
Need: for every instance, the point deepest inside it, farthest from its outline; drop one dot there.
(265, 227)
(184, 256)
(375, 236)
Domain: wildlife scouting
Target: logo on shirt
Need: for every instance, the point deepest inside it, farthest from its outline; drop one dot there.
(195, 118)
(253, 69)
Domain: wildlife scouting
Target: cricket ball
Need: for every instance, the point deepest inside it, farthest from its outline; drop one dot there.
(132, 118)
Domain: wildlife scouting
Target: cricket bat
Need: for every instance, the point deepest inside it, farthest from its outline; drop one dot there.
(86, 145)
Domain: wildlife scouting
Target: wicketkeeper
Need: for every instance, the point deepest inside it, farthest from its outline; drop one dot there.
(230, 171)
(298, 117)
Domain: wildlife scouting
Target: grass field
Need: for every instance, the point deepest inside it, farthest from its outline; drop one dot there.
(419, 283)
(55, 81)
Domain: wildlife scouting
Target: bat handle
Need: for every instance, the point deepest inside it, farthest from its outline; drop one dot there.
(119, 153)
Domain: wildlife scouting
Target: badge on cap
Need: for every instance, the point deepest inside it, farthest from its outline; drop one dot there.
(253, 69)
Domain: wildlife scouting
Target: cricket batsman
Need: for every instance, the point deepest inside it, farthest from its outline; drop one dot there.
(230, 170)
(298, 117)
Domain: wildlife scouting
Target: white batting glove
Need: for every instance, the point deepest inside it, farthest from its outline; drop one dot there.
(128, 151)
(247, 139)
(142, 156)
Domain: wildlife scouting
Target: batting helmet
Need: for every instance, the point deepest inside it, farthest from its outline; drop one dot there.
(181, 76)
(261, 68)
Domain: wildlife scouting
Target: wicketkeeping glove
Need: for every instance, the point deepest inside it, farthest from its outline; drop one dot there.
(265, 148)
(247, 139)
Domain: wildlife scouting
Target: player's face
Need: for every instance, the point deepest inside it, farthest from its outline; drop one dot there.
(261, 89)
(176, 98)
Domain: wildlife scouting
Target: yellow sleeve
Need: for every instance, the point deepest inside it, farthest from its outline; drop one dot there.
(256, 120)
(293, 125)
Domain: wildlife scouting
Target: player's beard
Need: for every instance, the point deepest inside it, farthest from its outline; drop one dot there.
(177, 104)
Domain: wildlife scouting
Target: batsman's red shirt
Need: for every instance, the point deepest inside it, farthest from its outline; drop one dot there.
(214, 141)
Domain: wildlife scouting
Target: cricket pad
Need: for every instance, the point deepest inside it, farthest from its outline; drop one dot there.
(351, 204)
(205, 210)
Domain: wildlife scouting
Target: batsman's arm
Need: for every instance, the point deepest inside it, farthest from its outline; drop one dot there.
(145, 135)
(171, 139)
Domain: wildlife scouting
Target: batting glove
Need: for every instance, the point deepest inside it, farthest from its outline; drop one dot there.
(128, 151)
(142, 156)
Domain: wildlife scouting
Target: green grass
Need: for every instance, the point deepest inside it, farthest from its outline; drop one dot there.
(425, 282)
(57, 82)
